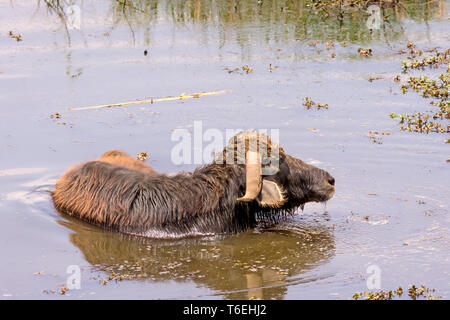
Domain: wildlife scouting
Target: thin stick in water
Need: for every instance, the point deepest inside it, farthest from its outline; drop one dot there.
(180, 97)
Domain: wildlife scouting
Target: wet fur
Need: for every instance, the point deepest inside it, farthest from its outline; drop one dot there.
(123, 194)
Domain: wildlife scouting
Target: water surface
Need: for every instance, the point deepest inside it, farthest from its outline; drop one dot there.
(391, 202)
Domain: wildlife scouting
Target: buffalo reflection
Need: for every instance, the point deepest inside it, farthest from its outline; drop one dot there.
(256, 264)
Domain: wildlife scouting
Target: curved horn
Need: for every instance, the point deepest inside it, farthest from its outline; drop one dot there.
(252, 176)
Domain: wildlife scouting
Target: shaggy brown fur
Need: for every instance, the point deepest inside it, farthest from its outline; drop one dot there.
(119, 193)
(120, 158)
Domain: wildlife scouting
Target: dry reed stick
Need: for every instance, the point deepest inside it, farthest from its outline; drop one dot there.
(180, 97)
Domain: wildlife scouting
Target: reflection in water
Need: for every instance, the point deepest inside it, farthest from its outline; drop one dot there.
(260, 264)
(57, 7)
(72, 74)
(264, 20)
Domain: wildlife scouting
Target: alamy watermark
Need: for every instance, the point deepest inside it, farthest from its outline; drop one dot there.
(374, 280)
(74, 279)
(73, 17)
(200, 146)
(375, 20)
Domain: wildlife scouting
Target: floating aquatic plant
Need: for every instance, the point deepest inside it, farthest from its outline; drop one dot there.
(433, 61)
(142, 156)
(308, 103)
(413, 292)
(244, 69)
(365, 52)
(17, 37)
(430, 88)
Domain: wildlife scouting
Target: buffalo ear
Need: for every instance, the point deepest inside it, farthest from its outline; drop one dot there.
(271, 195)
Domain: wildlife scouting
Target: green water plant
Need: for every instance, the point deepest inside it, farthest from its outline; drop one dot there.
(436, 89)
(432, 61)
(414, 293)
(309, 103)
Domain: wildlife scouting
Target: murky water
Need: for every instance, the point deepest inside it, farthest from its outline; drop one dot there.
(391, 203)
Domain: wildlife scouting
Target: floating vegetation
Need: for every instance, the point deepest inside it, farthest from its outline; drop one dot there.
(422, 291)
(379, 295)
(271, 67)
(373, 136)
(308, 103)
(430, 88)
(17, 37)
(432, 120)
(232, 70)
(244, 69)
(39, 273)
(380, 133)
(247, 69)
(411, 50)
(329, 44)
(373, 78)
(142, 156)
(413, 292)
(434, 61)
(56, 115)
(119, 277)
(48, 291)
(365, 52)
(375, 139)
(77, 74)
(420, 122)
(63, 290)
